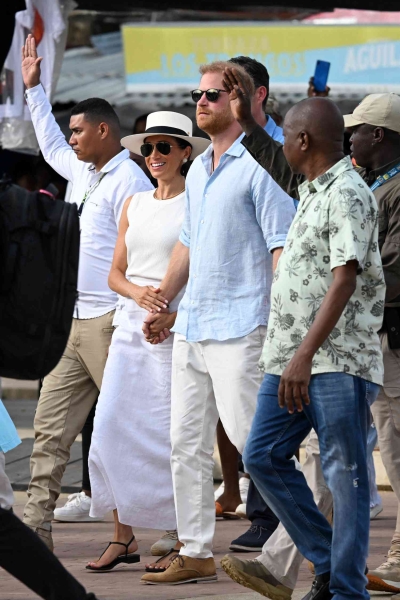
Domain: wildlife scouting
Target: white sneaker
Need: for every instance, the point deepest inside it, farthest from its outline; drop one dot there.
(165, 544)
(219, 491)
(76, 509)
(241, 511)
(375, 511)
(244, 483)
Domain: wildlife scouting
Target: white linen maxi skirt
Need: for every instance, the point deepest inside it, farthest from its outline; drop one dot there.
(129, 461)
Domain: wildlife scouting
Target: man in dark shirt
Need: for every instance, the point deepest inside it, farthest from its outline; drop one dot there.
(375, 140)
(375, 126)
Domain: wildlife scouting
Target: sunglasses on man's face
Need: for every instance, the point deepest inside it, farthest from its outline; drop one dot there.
(148, 148)
(212, 94)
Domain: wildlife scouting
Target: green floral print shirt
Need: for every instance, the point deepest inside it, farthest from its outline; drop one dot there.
(336, 222)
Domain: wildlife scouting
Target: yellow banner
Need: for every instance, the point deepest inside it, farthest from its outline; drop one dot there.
(163, 56)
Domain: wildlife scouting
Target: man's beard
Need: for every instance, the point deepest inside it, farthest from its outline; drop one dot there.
(217, 123)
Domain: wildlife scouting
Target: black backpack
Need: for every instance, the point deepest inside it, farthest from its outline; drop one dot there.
(39, 254)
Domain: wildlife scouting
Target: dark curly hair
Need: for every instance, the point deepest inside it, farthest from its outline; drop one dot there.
(184, 144)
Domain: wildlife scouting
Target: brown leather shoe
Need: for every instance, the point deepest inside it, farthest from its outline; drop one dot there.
(184, 569)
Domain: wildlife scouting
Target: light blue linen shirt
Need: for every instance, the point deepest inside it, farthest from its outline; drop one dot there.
(274, 130)
(234, 219)
(9, 437)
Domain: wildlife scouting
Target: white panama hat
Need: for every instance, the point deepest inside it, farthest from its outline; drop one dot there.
(170, 123)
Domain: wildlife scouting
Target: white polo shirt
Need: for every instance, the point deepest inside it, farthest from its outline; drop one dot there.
(120, 178)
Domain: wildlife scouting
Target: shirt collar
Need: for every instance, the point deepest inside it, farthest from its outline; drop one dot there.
(114, 162)
(270, 126)
(374, 174)
(236, 150)
(324, 181)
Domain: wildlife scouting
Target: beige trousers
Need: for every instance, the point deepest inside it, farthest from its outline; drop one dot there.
(386, 413)
(67, 395)
(6, 492)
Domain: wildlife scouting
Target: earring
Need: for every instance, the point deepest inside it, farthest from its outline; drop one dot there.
(184, 160)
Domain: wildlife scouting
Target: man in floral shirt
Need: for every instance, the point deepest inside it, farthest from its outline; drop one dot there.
(322, 356)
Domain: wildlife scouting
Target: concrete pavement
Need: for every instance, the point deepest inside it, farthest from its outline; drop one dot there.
(76, 544)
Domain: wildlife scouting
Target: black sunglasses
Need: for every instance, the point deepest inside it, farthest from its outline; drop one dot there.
(163, 148)
(212, 94)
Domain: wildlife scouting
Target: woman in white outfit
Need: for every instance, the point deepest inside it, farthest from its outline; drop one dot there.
(129, 459)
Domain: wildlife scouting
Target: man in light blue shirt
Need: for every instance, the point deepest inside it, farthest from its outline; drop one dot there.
(235, 227)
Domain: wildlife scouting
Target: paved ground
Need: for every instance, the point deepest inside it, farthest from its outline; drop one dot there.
(76, 544)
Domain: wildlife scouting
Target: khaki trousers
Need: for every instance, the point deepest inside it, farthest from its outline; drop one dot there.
(386, 413)
(67, 395)
(6, 492)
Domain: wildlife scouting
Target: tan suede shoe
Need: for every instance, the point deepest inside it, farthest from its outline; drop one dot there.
(184, 569)
(252, 574)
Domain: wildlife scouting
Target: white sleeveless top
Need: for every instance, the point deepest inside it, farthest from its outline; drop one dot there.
(154, 228)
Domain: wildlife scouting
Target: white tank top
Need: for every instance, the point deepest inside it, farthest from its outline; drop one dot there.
(154, 228)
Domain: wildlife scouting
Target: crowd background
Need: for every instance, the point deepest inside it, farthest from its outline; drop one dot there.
(93, 65)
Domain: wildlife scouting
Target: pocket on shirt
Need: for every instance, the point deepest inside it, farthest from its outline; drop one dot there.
(98, 205)
(97, 214)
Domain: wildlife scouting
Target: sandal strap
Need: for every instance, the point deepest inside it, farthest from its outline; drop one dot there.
(126, 546)
(165, 555)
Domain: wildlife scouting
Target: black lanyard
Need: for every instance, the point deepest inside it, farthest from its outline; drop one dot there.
(89, 192)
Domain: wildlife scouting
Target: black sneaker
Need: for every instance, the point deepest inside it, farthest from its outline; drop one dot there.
(252, 540)
(320, 588)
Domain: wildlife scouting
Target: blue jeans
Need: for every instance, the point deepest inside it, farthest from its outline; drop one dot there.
(339, 412)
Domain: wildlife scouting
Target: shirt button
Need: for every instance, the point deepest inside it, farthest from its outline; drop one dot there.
(192, 302)
(198, 247)
(202, 221)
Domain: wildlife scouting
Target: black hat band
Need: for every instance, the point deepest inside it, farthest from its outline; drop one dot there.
(165, 129)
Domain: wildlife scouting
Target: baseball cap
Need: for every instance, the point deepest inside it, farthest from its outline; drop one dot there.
(380, 110)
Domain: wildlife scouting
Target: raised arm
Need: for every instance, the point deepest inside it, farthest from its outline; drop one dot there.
(147, 296)
(263, 148)
(55, 149)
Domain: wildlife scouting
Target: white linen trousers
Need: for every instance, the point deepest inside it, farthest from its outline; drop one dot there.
(210, 379)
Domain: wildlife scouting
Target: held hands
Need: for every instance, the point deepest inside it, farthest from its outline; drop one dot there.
(240, 95)
(156, 326)
(30, 65)
(148, 297)
(293, 387)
